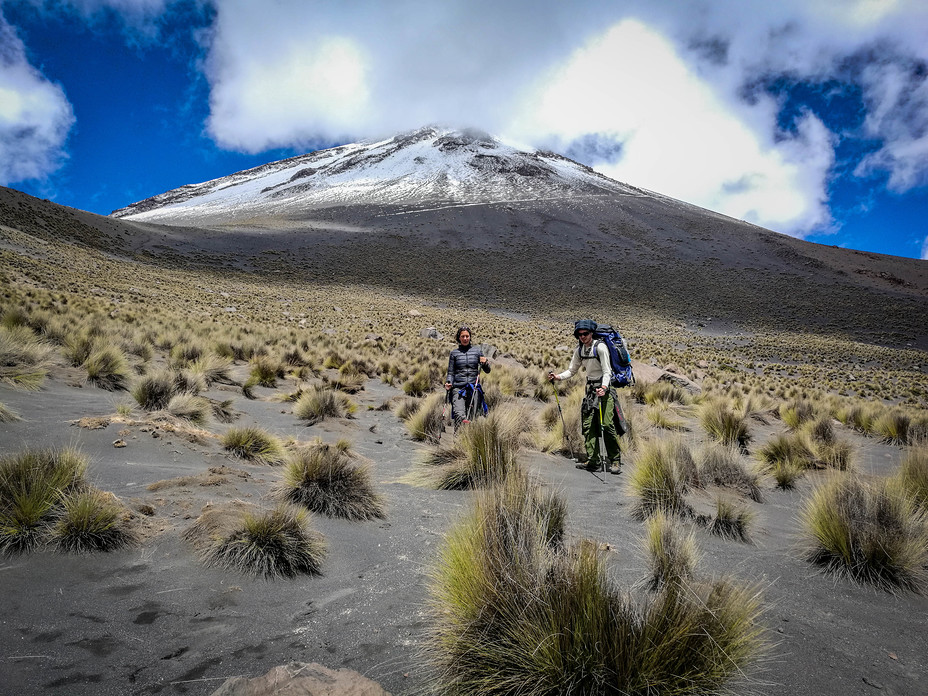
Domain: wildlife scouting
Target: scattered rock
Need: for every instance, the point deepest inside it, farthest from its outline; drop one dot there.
(431, 332)
(673, 368)
(375, 338)
(301, 679)
(415, 313)
(119, 443)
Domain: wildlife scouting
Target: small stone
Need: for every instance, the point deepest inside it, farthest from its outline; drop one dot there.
(119, 443)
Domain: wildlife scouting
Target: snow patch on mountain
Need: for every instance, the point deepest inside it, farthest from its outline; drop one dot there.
(430, 165)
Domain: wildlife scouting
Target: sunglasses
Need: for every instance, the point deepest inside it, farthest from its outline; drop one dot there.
(583, 333)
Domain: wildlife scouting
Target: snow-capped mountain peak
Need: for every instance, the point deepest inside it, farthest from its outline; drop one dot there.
(427, 165)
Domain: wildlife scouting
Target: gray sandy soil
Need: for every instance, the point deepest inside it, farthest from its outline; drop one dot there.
(153, 620)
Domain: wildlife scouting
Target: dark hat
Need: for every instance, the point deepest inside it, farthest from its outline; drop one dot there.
(584, 325)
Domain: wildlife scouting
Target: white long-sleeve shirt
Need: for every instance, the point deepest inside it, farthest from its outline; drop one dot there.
(596, 370)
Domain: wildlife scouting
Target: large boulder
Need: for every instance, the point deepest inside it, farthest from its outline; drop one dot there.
(647, 374)
(302, 679)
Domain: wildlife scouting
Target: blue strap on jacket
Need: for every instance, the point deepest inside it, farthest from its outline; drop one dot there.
(468, 391)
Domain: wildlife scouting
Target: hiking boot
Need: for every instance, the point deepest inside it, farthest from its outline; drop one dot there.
(587, 466)
(616, 467)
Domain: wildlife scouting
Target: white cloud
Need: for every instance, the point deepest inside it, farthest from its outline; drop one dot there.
(35, 115)
(678, 137)
(287, 93)
(925, 250)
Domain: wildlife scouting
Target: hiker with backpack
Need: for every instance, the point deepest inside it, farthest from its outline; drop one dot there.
(465, 364)
(601, 418)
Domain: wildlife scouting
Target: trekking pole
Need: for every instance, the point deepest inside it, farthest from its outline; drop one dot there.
(444, 412)
(602, 441)
(570, 445)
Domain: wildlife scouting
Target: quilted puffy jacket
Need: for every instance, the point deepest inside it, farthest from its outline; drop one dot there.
(463, 365)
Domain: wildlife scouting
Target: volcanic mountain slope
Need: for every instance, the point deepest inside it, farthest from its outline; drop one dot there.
(443, 211)
(457, 214)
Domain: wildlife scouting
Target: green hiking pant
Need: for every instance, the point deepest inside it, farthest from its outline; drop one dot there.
(591, 429)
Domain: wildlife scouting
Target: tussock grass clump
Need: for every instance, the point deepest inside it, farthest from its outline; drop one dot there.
(107, 368)
(913, 475)
(23, 358)
(185, 380)
(892, 427)
(153, 392)
(211, 368)
(182, 354)
(196, 409)
(31, 486)
(803, 451)
(265, 372)
(732, 519)
(797, 412)
(422, 382)
(786, 473)
(660, 478)
(784, 448)
(405, 408)
(723, 466)
(275, 543)
(426, 422)
(671, 551)
(838, 454)
(347, 380)
(482, 453)
(91, 521)
(78, 347)
(660, 392)
(663, 415)
(324, 479)
(512, 615)
(725, 425)
(253, 444)
(871, 532)
(820, 429)
(45, 498)
(318, 403)
(858, 416)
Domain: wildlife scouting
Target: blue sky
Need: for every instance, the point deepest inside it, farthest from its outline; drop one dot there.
(809, 118)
